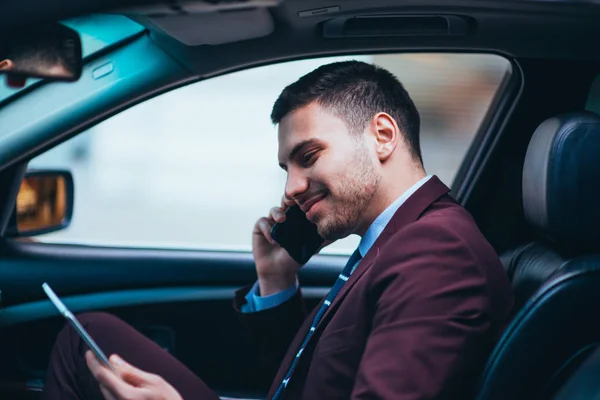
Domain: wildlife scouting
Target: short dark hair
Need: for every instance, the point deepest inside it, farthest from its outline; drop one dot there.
(355, 91)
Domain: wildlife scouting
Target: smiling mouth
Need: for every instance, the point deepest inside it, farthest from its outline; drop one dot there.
(307, 206)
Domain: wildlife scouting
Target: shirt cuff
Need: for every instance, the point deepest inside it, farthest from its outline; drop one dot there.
(255, 302)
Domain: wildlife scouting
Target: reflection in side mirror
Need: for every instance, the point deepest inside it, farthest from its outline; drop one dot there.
(44, 203)
(53, 52)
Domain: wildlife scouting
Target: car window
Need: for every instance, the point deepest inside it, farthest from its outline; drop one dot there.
(196, 167)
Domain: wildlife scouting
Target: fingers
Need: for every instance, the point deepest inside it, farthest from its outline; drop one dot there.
(131, 374)
(111, 385)
(133, 383)
(286, 202)
(277, 214)
(264, 227)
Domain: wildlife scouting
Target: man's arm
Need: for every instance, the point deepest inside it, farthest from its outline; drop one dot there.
(272, 329)
(431, 325)
(255, 302)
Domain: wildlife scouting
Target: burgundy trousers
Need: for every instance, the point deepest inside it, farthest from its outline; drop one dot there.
(68, 377)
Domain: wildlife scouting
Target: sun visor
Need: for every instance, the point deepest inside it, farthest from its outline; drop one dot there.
(214, 22)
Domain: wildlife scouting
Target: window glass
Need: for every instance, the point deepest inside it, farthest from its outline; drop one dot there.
(196, 167)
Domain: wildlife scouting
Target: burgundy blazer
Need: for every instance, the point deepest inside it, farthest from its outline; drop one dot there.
(416, 320)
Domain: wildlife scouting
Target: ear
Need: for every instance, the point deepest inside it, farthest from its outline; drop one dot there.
(6, 65)
(387, 134)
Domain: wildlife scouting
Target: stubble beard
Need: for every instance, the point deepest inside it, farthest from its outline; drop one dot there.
(352, 195)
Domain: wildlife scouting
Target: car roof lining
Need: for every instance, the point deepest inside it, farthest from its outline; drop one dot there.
(520, 29)
(554, 31)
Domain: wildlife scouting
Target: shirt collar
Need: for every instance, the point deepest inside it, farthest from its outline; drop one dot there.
(382, 220)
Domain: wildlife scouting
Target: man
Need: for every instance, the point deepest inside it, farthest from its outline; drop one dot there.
(413, 314)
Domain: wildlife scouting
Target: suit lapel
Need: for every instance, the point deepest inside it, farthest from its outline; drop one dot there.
(408, 212)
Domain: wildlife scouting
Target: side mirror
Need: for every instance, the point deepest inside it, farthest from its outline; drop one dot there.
(51, 51)
(44, 204)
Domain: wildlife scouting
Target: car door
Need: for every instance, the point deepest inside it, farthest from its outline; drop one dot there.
(166, 195)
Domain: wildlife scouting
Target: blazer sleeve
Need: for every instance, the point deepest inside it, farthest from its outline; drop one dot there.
(430, 318)
(272, 330)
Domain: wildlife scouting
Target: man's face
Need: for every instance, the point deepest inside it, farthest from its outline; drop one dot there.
(331, 173)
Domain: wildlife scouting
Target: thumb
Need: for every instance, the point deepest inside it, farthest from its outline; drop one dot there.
(130, 374)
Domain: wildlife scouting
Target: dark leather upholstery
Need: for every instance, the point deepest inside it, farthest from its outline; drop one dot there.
(561, 181)
(548, 349)
(561, 199)
(528, 267)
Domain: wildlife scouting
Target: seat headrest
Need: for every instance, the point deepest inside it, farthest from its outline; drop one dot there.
(561, 181)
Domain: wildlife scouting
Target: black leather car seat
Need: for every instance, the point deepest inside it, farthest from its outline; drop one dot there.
(549, 349)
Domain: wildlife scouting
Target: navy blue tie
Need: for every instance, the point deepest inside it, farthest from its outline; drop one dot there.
(337, 286)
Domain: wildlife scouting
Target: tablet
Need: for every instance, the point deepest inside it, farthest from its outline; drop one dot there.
(78, 327)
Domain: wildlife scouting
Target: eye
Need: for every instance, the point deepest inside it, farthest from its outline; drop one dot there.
(309, 158)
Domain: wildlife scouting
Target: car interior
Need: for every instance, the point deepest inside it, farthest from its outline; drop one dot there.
(529, 178)
(554, 276)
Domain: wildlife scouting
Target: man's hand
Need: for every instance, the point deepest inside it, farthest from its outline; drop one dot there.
(133, 384)
(275, 268)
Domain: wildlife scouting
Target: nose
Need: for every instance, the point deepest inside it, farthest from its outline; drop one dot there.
(295, 184)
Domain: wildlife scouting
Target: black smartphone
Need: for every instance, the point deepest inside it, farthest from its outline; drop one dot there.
(297, 235)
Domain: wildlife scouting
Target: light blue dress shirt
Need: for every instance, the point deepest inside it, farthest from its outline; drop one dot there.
(255, 302)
